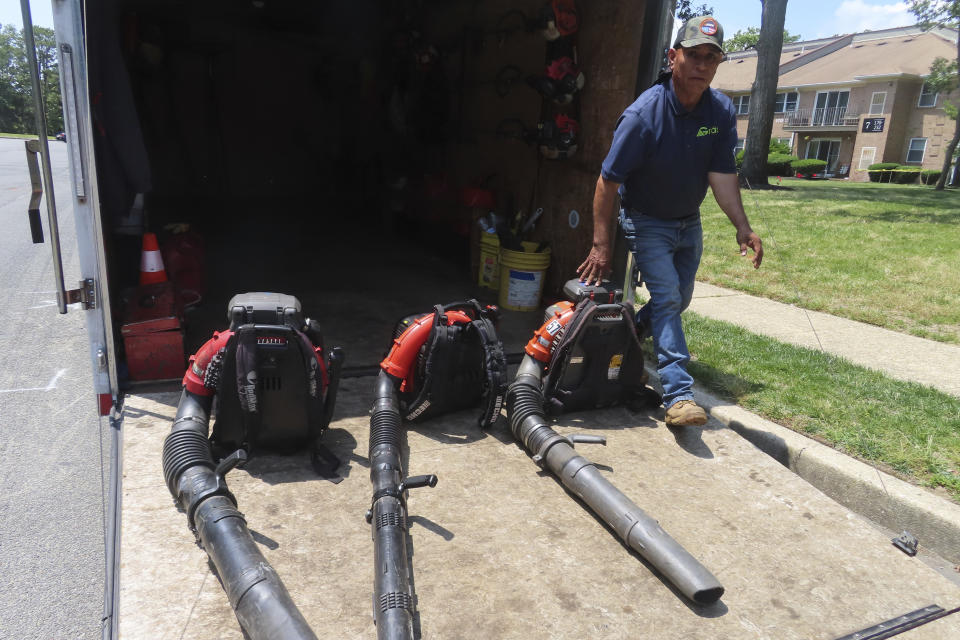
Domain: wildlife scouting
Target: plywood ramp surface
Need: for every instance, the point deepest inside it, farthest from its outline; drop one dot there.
(501, 550)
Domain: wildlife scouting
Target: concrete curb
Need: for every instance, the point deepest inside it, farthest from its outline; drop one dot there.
(880, 497)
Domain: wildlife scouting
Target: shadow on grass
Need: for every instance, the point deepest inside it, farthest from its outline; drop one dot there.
(908, 195)
(898, 215)
(766, 187)
(727, 386)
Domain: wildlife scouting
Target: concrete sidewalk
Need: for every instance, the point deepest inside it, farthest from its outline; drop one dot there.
(898, 355)
(864, 489)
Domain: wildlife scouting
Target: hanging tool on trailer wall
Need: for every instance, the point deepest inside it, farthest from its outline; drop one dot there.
(560, 82)
(558, 18)
(556, 138)
(585, 355)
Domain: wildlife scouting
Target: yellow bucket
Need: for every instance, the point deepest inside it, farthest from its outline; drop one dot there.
(489, 272)
(521, 277)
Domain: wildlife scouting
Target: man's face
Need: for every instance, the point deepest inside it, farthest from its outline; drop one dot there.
(694, 68)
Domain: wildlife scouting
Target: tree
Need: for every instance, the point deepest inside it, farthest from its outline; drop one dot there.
(14, 81)
(46, 45)
(685, 10)
(743, 40)
(764, 93)
(944, 75)
(16, 101)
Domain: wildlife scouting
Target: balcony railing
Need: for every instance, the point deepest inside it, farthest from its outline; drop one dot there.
(823, 117)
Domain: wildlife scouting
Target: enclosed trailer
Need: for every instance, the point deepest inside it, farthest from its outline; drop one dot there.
(322, 148)
(344, 152)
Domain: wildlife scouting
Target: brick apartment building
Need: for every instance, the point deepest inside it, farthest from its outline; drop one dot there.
(854, 100)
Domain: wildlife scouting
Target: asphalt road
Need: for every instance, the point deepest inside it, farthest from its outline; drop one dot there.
(54, 451)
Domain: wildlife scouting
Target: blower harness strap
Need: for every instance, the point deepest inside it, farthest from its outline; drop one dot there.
(448, 360)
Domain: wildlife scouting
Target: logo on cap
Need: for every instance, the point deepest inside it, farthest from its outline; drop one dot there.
(709, 27)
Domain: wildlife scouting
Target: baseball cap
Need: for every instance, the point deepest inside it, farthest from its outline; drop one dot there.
(700, 30)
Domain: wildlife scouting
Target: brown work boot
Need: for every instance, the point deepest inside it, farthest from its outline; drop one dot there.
(685, 413)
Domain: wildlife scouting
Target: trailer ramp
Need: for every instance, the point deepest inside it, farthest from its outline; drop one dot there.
(501, 550)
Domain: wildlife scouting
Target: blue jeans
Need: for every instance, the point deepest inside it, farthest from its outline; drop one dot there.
(667, 252)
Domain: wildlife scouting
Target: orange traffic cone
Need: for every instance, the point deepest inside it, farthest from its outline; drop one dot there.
(151, 263)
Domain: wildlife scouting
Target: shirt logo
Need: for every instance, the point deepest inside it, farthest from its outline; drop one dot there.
(709, 27)
(707, 131)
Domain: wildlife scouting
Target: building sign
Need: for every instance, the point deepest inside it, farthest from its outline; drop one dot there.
(873, 125)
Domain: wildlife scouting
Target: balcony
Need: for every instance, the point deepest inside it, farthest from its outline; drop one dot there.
(822, 119)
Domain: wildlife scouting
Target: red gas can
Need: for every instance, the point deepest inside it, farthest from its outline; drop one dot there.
(183, 257)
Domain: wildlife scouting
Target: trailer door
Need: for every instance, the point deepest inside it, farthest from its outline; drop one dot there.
(91, 295)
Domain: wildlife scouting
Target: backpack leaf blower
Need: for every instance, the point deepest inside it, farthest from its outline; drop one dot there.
(443, 361)
(276, 389)
(586, 355)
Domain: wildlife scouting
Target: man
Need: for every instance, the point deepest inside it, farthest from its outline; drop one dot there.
(673, 141)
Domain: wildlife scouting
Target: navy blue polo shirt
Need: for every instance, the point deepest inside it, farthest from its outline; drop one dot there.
(661, 152)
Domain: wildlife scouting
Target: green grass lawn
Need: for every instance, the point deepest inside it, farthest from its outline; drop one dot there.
(884, 254)
(23, 136)
(910, 430)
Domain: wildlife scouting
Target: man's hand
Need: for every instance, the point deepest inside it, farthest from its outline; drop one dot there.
(749, 240)
(596, 265)
(726, 189)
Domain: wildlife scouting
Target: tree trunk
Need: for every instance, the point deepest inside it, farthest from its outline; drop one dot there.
(944, 174)
(764, 93)
(942, 180)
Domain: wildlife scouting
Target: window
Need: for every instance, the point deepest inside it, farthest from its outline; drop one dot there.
(878, 102)
(867, 156)
(830, 108)
(917, 147)
(927, 97)
(741, 104)
(785, 102)
(741, 143)
(825, 149)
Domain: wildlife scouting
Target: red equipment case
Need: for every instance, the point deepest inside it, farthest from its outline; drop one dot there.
(153, 334)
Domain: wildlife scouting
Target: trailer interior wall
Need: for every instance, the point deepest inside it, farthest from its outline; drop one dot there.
(304, 140)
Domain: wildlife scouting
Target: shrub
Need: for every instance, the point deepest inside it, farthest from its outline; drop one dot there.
(881, 171)
(905, 175)
(778, 164)
(809, 167)
(929, 176)
(778, 160)
(779, 147)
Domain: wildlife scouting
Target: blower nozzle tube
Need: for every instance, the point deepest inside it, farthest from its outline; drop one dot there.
(393, 594)
(638, 530)
(260, 600)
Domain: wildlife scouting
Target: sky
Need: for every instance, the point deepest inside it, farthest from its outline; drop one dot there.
(40, 10)
(811, 19)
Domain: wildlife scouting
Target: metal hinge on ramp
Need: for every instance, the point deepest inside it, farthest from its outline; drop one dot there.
(86, 294)
(901, 624)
